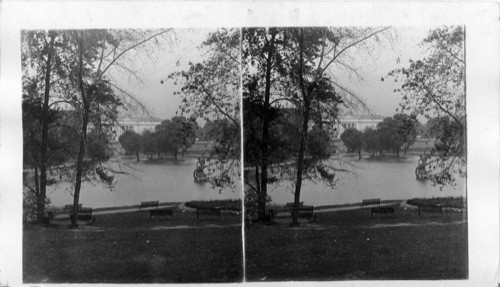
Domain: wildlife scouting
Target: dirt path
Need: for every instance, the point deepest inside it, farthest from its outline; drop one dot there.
(352, 207)
(113, 211)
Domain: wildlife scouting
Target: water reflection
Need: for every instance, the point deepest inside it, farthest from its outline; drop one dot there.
(167, 181)
(385, 179)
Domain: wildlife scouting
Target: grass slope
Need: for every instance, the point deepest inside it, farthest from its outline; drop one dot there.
(350, 244)
(130, 248)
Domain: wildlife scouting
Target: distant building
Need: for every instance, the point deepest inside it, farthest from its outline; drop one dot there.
(357, 121)
(138, 124)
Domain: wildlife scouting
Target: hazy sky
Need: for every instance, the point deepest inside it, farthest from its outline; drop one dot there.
(379, 96)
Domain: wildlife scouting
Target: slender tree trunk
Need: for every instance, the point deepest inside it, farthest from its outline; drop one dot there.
(79, 170)
(258, 188)
(359, 154)
(257, 178)
(305, 126)
(37, 181)
(265, 132)
(300, 169)
(83, 138)
(45, 134)
(137, 156)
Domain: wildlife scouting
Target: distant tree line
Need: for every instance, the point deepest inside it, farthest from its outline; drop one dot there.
(169, 138)
(392, 136)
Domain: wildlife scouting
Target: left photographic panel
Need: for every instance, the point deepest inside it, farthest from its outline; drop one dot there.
(131, 166)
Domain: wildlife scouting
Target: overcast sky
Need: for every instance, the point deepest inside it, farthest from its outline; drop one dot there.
(379, 96)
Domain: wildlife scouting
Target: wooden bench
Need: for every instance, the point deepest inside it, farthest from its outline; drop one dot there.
(210, 210)
(378, 209)
(84, 213)
(383, 209)
(434, 208)
(68, 208)
(160, 212)
(304, 210)
(289, 205)
(145, 204)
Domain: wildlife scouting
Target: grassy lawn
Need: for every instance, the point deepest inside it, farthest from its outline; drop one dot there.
(130, 248)
(341, 245)
(350, 244)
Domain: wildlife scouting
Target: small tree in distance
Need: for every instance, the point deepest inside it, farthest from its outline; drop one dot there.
(131, 143)
(353, 140)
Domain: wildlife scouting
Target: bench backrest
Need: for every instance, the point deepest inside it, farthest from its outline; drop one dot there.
(82, 210)
(85, 210)
(70, 207)
(290, 204)
(307, 208)
(371, 201)
(160, 211)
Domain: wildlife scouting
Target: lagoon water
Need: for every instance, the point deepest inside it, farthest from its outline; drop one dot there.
(385, 179)
(172, 181)
(168, 181)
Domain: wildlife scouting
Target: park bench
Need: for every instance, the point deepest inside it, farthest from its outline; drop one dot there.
(379, 209)
(84, 213)
(383, 209)
(289, 205)
(210, 210)
(145, 204)
(160, 212)
(432, 208)
(68, 208)
(304, 210)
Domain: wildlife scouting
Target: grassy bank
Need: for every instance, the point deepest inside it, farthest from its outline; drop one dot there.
(451, 202)
(130, 248)
(226, 204)
(356, 204)
(348, 245)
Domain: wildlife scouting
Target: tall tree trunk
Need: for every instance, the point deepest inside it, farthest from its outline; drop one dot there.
(303, 140)
(45, 134)
(37, 181)
(79, 168)
(83, 138)
(265, 132)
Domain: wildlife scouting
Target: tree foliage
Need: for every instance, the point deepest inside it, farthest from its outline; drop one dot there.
(176, 135)
(353, 140)
(210, 92)
(294, 69)
(131, 143)
(75, 70)
(435, 87)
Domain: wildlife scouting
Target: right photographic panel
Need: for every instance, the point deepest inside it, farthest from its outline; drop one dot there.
(355, 153)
